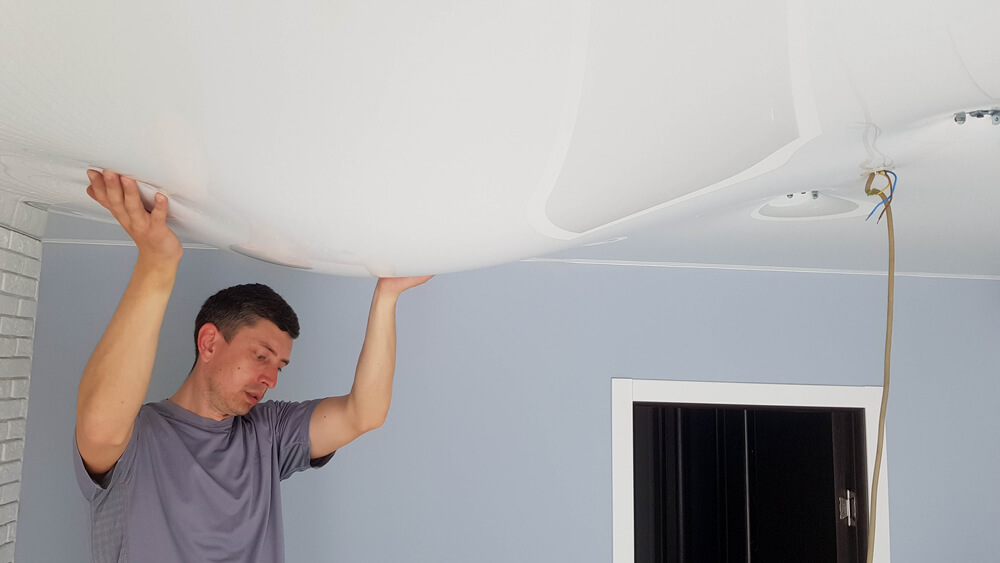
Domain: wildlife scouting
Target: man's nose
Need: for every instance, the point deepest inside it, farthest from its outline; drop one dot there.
(269, 377)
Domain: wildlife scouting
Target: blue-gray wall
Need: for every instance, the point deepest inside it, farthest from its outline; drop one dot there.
(497, 447)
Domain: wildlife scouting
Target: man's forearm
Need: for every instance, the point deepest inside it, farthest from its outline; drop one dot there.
(371, 393)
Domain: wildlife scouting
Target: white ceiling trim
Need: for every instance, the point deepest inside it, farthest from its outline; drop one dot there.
(91, 242)
(749, 268)
(621, 263)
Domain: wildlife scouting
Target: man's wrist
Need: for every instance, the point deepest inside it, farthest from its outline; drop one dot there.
(385, 295)
(156, 270)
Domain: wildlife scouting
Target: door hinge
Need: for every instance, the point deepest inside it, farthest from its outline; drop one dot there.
(849, 507)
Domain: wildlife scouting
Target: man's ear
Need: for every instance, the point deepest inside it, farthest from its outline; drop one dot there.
(209, 339)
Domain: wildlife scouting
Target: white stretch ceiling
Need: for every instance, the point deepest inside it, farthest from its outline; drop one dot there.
(393, 138)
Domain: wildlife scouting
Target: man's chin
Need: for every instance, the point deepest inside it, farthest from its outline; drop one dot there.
(240, 408)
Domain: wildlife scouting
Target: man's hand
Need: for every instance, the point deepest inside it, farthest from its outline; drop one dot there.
(148, 229)
(395, 286)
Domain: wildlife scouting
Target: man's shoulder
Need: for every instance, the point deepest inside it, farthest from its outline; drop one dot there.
(269, 406)
(272, 408)
(281, 413)
(168, 413)
(150, 411)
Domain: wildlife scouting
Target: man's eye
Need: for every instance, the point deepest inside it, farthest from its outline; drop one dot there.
(260, 357)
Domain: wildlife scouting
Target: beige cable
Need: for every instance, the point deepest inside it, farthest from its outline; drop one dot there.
(888, 346)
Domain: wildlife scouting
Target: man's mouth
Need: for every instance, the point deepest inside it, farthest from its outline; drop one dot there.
(254, 397)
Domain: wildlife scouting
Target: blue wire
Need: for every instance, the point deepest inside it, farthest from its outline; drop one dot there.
(892, 190)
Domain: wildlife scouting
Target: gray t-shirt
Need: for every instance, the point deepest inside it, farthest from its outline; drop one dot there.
(189, 488)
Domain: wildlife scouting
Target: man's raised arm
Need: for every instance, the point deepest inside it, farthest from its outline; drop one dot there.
(339, 420)
(116, 378)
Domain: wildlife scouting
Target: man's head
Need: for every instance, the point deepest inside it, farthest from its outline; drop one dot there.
(243, 338)
(243, 305)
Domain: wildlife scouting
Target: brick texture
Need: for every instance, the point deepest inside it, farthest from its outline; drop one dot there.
(21, 228)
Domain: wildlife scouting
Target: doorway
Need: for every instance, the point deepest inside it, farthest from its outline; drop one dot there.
(706, 471)
(736, 483)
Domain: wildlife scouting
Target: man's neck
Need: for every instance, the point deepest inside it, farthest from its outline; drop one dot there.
(193, 395)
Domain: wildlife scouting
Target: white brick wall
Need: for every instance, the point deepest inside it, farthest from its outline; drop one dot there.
(21, 228)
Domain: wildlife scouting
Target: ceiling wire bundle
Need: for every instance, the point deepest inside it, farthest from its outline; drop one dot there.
(887, 212)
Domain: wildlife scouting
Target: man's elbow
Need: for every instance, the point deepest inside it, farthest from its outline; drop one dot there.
(99, 432)
(366, 416)
(371, 423)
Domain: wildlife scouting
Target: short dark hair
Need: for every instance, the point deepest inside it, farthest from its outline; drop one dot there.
(243, 305)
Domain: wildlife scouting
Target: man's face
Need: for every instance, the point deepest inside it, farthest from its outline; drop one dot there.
(245, 367)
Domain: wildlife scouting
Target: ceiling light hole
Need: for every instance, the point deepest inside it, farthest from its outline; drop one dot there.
(805, 205)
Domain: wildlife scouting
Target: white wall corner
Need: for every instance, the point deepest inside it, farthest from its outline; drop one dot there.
(21, 230)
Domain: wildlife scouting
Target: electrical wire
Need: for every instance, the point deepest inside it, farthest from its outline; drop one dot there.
(891, 187)
(886, 201)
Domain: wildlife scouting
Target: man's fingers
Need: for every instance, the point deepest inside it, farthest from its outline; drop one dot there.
(399, 285)
(159, 212)
(417, 280)
(113, 190)
(120, 195)
(94, 176)
(96, 188)
(132, 202)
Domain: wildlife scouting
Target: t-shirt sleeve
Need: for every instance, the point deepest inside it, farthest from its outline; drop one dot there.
(93, 489)
(291, 434)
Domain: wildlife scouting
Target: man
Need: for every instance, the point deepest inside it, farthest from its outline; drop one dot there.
(195, 477)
